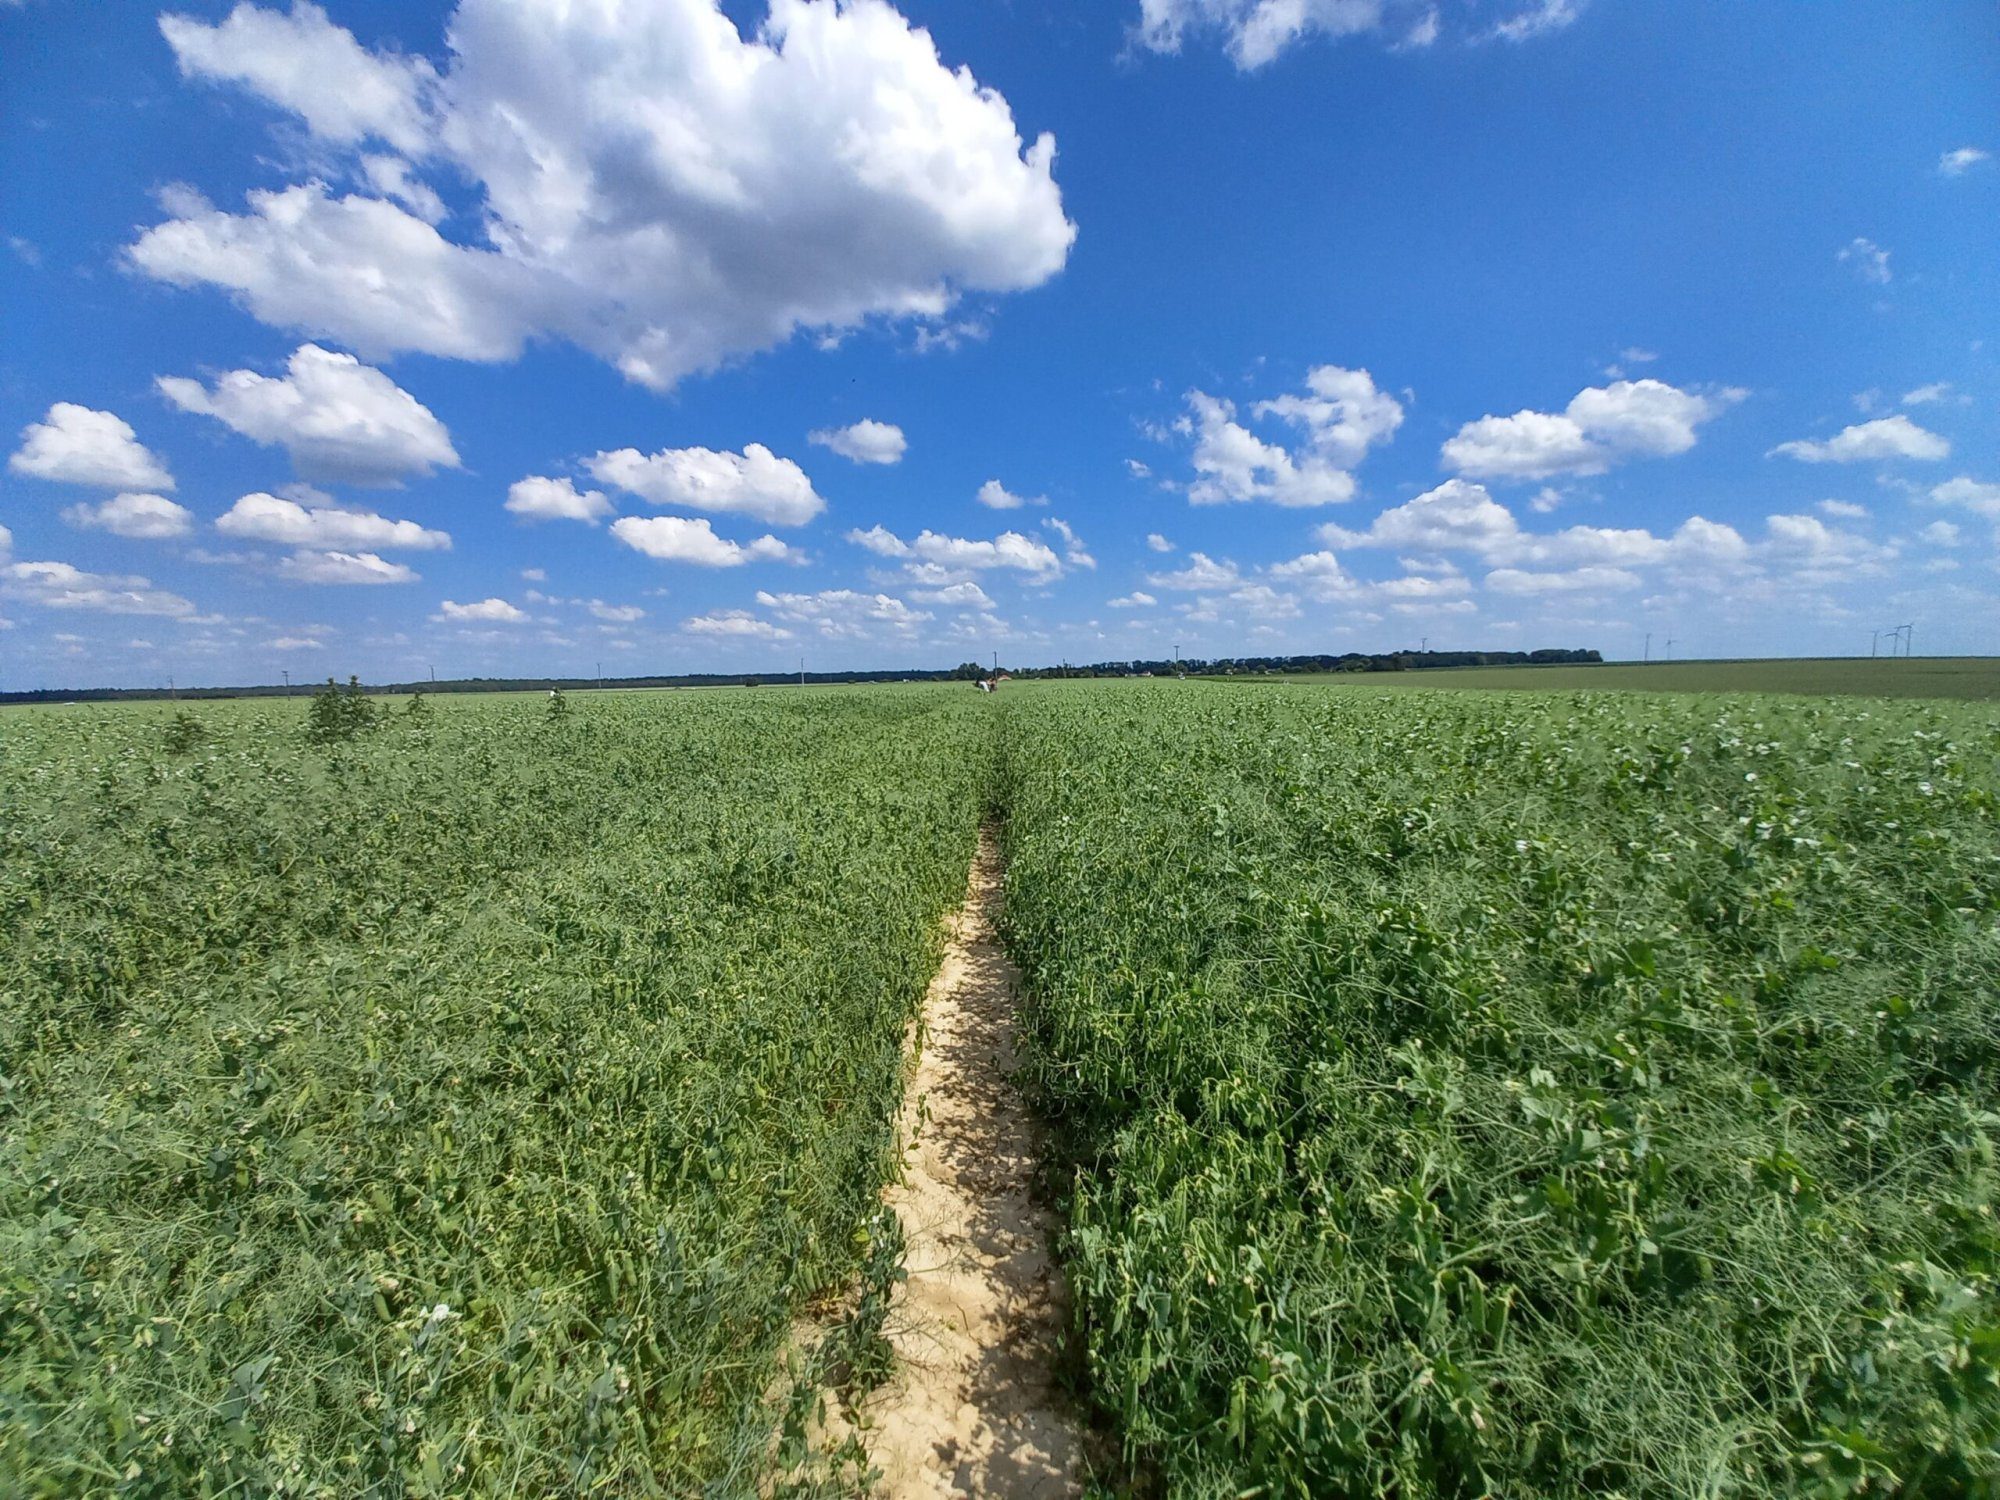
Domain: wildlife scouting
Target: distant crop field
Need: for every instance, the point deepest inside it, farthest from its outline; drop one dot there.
(1965, 677)
(1482, 1094)
(465, 1103)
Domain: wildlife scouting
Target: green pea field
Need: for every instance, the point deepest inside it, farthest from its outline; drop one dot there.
(1448, 1094)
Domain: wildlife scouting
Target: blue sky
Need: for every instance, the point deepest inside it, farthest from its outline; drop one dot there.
(520, 337)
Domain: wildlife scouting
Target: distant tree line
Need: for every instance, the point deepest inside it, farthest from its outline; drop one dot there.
(1352, 661)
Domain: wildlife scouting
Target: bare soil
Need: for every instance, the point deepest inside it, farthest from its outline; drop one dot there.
(972, 1408)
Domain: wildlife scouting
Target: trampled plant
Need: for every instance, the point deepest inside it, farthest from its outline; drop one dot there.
(471, 1112)
(1528, 1096)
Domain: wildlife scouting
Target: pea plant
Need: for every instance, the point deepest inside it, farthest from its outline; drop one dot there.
(1565, 1095)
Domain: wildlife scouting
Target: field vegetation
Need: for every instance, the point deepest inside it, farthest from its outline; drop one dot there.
(412, 1098)
(1580, 1095)
(1453, 1094)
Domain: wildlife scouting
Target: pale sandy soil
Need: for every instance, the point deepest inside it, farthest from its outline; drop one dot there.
(972, 1408)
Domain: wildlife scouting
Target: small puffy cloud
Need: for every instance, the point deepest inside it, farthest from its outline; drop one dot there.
(1339, 417)
(390, 176)
(1158, 543)
(1602, 425)
(996, 496)
(1843, 510)
(305, 64)
(1962, 160)
(538, 498)
(1807, 546)
(1538, 18)
(1940, 534)
(845, 613)
(1884, 438)
(1868, 259)
(1459, 516)
(653, 185)
(76, 445)
(755, 482)
(735, 622)
(616, 614)
(1968, 494)
(1137, 599)
(1573, 581)
(140, 517)
(1138, 469)
(1256, 32)
(260, 517)
(967, 595)
(865, 442)
(489, 611)
(297, 643)
(1074, 552)
(692, 540)
(1925, 395)
(338, 418)
(344, 568)
(535, 575)
(935, 556)
(58, 585)
(1201, 573)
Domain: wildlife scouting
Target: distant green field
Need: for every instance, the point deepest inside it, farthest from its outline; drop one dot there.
(1968, 677)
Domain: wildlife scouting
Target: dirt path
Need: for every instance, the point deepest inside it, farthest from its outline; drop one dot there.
(972, 1409)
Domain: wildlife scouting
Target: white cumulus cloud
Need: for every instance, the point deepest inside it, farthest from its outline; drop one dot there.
(338, 418)
(491, 611)
(1869, 260)
(865, 442)
(996, 496)
(1339, 417)
(538, 498)
(845, 612)
(755, 482)
(936, 558)
(259, 517)
(1866, 442)
(1201, 573)
(1256, 32)
(693, 540)
(653, 185)
(735, 622)
(141, 517)
(77, 445)
(344, 568)
(1601, 426)
(58, 585)
(1958, 162)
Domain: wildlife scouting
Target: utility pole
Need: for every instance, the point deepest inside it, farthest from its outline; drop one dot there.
(288, 681)
(170, 689)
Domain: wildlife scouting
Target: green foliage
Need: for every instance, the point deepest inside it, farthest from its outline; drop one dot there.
(184, 732)
(336, 714)
(472, 1112)
(1566, 1096)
